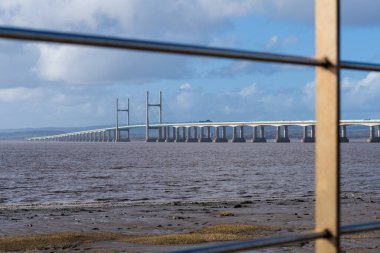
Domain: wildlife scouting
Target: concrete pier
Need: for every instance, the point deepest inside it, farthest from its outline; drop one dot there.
(178, 137)
(284, 138)
(236, 137)
(160, 138)
(372, 137)
(203, 137)
(167, 137)
(308, 137)
(190, 137)
(260, 137)
(224, 135)
(343, 136)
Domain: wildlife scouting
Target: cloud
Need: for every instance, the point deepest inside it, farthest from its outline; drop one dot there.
(248, 91)
(250, 102)
(195, 22)
(8, 95)
(360, 96)
(272, 42)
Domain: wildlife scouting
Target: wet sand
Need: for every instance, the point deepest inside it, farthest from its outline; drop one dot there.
(146, 218)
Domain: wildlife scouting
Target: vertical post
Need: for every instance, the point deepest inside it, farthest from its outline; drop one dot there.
(305, 132)
(177, 134)
(278, 133)
(254, 133)
(128, 119)
(262, 133)
(286, 135)
(160, 116)
(327, 115)
(117, 120)
(147, 117)
(234, 133)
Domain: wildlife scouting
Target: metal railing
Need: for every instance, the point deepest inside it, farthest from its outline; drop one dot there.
(172, 48)
(328, 63)
(278, 240)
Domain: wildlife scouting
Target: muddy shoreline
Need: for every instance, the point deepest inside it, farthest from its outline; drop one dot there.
(144, 218)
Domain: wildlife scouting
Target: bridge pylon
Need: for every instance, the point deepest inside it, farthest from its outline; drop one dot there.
(148, 138)
(117, 134)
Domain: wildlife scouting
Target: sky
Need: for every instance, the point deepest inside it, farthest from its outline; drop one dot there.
(56, 85)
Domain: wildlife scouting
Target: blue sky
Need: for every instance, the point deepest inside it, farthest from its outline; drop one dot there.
(60, 85)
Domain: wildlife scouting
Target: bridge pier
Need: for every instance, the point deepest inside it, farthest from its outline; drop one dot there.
(160, 139)
(236, 137)
(282, 139)
(372, 138)
(261, 137)
(178, 137)
(167, 135)
(202, 137)
(343, 136)
(191, 138)
(308, 138)
(217, 135)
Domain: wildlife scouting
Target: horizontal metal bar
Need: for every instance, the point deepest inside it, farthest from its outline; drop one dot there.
(356, 228)
(154, 104)
(359, 66)
(153, 46)
(255, 244)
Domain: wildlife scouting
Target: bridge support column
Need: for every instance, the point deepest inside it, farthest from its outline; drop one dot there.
(255, 137)
(178, 137)
(191, 138)
(308, 138)
(235, 137)
(284, 138)
(343, 137)
(219, 138)
(168, 138)
(160, 139)
(372, 137)
(202, 136)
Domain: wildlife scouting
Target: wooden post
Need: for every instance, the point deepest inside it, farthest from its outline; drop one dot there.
(327, 126)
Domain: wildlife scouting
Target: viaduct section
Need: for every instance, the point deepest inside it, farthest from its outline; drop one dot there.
(205, 131)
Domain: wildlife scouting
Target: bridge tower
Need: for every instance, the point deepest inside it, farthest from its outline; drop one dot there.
(117, 135)
(148, 138)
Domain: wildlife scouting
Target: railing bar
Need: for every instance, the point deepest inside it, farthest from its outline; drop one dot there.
(275, 241)
(356, 228)
(153, 46)
(255, 244)
(359, 66)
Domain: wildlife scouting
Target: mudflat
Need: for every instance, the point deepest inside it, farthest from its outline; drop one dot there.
(158, 227)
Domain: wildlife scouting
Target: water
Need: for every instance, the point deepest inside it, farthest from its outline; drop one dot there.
(45, 173)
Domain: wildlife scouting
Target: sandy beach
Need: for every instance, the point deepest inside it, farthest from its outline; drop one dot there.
(280, 216)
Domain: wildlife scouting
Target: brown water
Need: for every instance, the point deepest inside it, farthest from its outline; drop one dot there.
(45, 173)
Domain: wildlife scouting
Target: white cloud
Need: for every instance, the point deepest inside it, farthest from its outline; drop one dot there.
(17, 94)
(272, 42)
(185, 86)
(248, 91)
(361, 95)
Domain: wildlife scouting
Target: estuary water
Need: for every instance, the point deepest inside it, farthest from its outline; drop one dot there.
(72, 173)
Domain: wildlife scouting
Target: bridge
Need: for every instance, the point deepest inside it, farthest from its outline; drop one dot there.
(205, 131)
